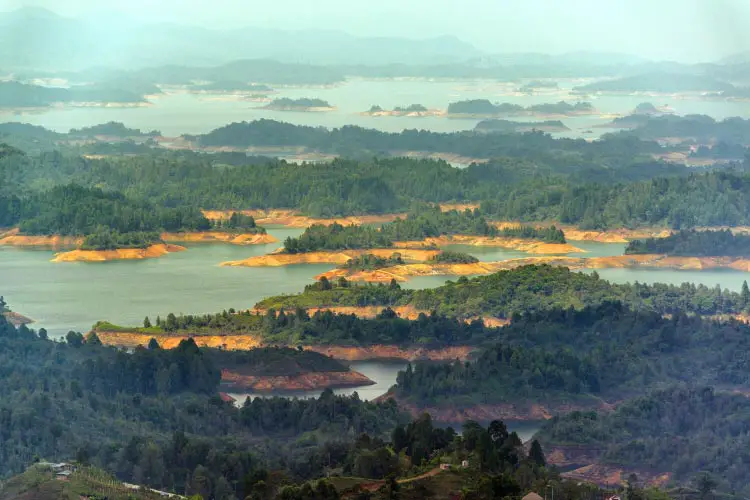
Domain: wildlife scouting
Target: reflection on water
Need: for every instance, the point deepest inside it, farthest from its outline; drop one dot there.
(725, 278)
(383, 373)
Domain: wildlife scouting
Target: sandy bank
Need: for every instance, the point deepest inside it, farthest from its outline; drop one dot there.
(523, 245)
(13, 238)
(290, 218)
(134, 339)
(339, 258)
(406, 271)
(406, 312)
(247, 342)
(308, 381)
(583, 462)
(217, 236)
(404, 353)
(121, 254)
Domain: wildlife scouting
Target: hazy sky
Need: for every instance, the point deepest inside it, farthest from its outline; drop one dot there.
(685, 30)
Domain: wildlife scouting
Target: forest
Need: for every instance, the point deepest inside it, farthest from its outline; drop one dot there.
(561, 355)
(680, 429)
(692, 243)
(152, 417)
(533, 288)
(62, 401)
(701, 129)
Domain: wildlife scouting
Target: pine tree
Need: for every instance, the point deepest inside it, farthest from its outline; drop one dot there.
(745, 294)
(146, 323)
(536, 454)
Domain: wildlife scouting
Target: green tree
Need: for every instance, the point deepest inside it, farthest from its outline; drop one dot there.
(146, 322)
(536, 454)
(153, 344)
(745, 294)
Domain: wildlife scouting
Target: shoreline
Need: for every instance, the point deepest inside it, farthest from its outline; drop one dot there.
(234, 381)
(220, 237)
(156, 250)
(646, 261)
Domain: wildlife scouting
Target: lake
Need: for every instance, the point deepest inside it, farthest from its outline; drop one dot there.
(73, 296)
(179, 112)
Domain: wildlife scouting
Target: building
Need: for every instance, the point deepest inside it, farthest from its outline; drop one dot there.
(532, 496)
(445, 466)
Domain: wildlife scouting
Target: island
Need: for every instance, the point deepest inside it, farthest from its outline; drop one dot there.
(535, 86)
(413, 110)
(231, 87)
(301, 104)
(14, 94)
(507, 126)
(417, 238)
(657, 83)
(483, 108)
(100, 226)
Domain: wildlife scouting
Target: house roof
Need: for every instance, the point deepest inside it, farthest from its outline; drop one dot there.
(532, 496)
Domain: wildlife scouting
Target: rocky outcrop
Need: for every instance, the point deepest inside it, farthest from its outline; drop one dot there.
(152, 251)
(218, 236)
(231, 380)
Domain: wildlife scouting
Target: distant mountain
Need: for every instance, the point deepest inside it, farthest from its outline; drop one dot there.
(40, 39)
(575, 58)
(738, 58)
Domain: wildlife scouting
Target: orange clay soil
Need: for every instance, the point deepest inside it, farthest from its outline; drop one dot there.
(406, 312)
(13, 238)
(338, 257)
(247, 342)
(521, 244)
(134, 339)
(307, 381)
(290, 218)
(218, 236)
(121, 254)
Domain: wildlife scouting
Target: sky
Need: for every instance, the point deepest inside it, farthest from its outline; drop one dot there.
(681, 30)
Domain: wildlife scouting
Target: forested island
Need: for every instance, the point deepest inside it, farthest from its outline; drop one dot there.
(538, 85)
(231, 87)
(692, 243)
(15, 94)
(507, 294)
(485, 108)
(419, 225)
(699, 129)
(497, 125)
(411, 110)
(301, 104)
(658, 82)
